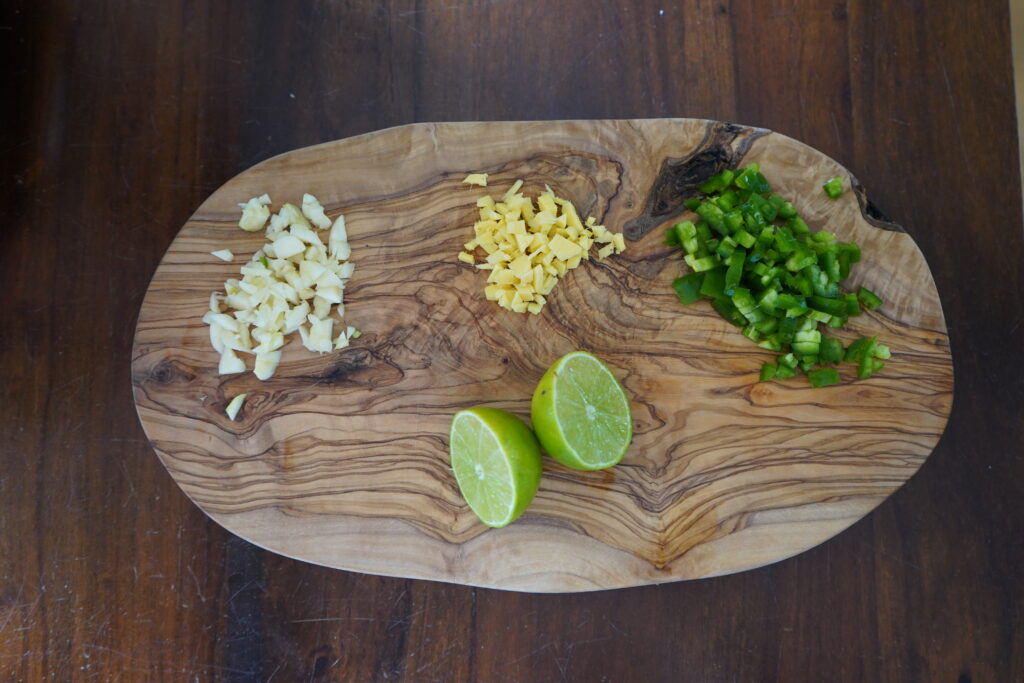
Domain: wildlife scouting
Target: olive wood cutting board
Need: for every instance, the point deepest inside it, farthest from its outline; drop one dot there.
(342, 459)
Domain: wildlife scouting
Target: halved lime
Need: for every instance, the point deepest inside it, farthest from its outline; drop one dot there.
(581, 414)
(496, 459)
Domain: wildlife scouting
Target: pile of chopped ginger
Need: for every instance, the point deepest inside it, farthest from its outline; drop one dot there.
(530, 246)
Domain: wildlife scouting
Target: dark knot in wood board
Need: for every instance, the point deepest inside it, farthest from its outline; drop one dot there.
(872, 214)
(167, 372)
(679, 179)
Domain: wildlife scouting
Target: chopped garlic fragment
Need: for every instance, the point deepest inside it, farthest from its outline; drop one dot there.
(278, 224)
(321, 307)
(230, 364)
(293, 215)
(287, 245)
(318, 338)
(223, 255)
(476, 179)
(312, 210)
(266, 364)
(254, 214)
(234, 406)
(337, 242)
(305, 235)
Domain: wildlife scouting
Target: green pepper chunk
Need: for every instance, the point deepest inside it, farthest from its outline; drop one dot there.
(868, 366)
(797, 226)
(744, 302)
(765, 207)
(685, 231)
(788, 360)
(801, 258)
(868, 298)
(818, 316)
(744, 239)
(852, 305)
(725, 248)
(830, 306)
(733, 221)
(688, 287)
(784, 372)
(830, 264)
(712, 184)
(820, 282)
(767, 325)
(823, 377)
(768, 371)
(751, 179)
(858, 349)
(714, 216)
(735, 270)
(787, 330)
(729, 312)
(830, 350)
(784, 240)
(726, 202)
(767, 301)
(833, 187)
(702, 263)
(713, 284)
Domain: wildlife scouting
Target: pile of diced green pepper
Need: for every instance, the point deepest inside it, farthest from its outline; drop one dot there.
(767, 273)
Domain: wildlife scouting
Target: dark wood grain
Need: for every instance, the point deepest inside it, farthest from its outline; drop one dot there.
(124, 117)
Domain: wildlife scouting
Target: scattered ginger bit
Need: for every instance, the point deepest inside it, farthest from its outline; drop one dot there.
(476, 179)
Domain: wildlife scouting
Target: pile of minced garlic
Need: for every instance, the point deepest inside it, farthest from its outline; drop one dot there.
(292, 283)
(530, 246)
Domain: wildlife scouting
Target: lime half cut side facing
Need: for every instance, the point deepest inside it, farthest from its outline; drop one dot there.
(581, 414)
(496, 459)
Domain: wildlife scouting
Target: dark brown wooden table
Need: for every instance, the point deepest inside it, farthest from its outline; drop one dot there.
(120, 118)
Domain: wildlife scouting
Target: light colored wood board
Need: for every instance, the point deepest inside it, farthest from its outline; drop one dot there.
(341, 459)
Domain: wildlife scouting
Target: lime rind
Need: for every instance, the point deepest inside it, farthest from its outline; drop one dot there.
(497, 463)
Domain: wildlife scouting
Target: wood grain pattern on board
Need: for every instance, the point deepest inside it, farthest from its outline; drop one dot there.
(341, 459)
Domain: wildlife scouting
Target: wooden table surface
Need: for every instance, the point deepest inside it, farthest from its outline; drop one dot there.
(121, 118)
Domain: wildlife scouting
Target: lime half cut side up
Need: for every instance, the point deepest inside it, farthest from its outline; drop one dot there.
(581, 414)
(496, 459)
